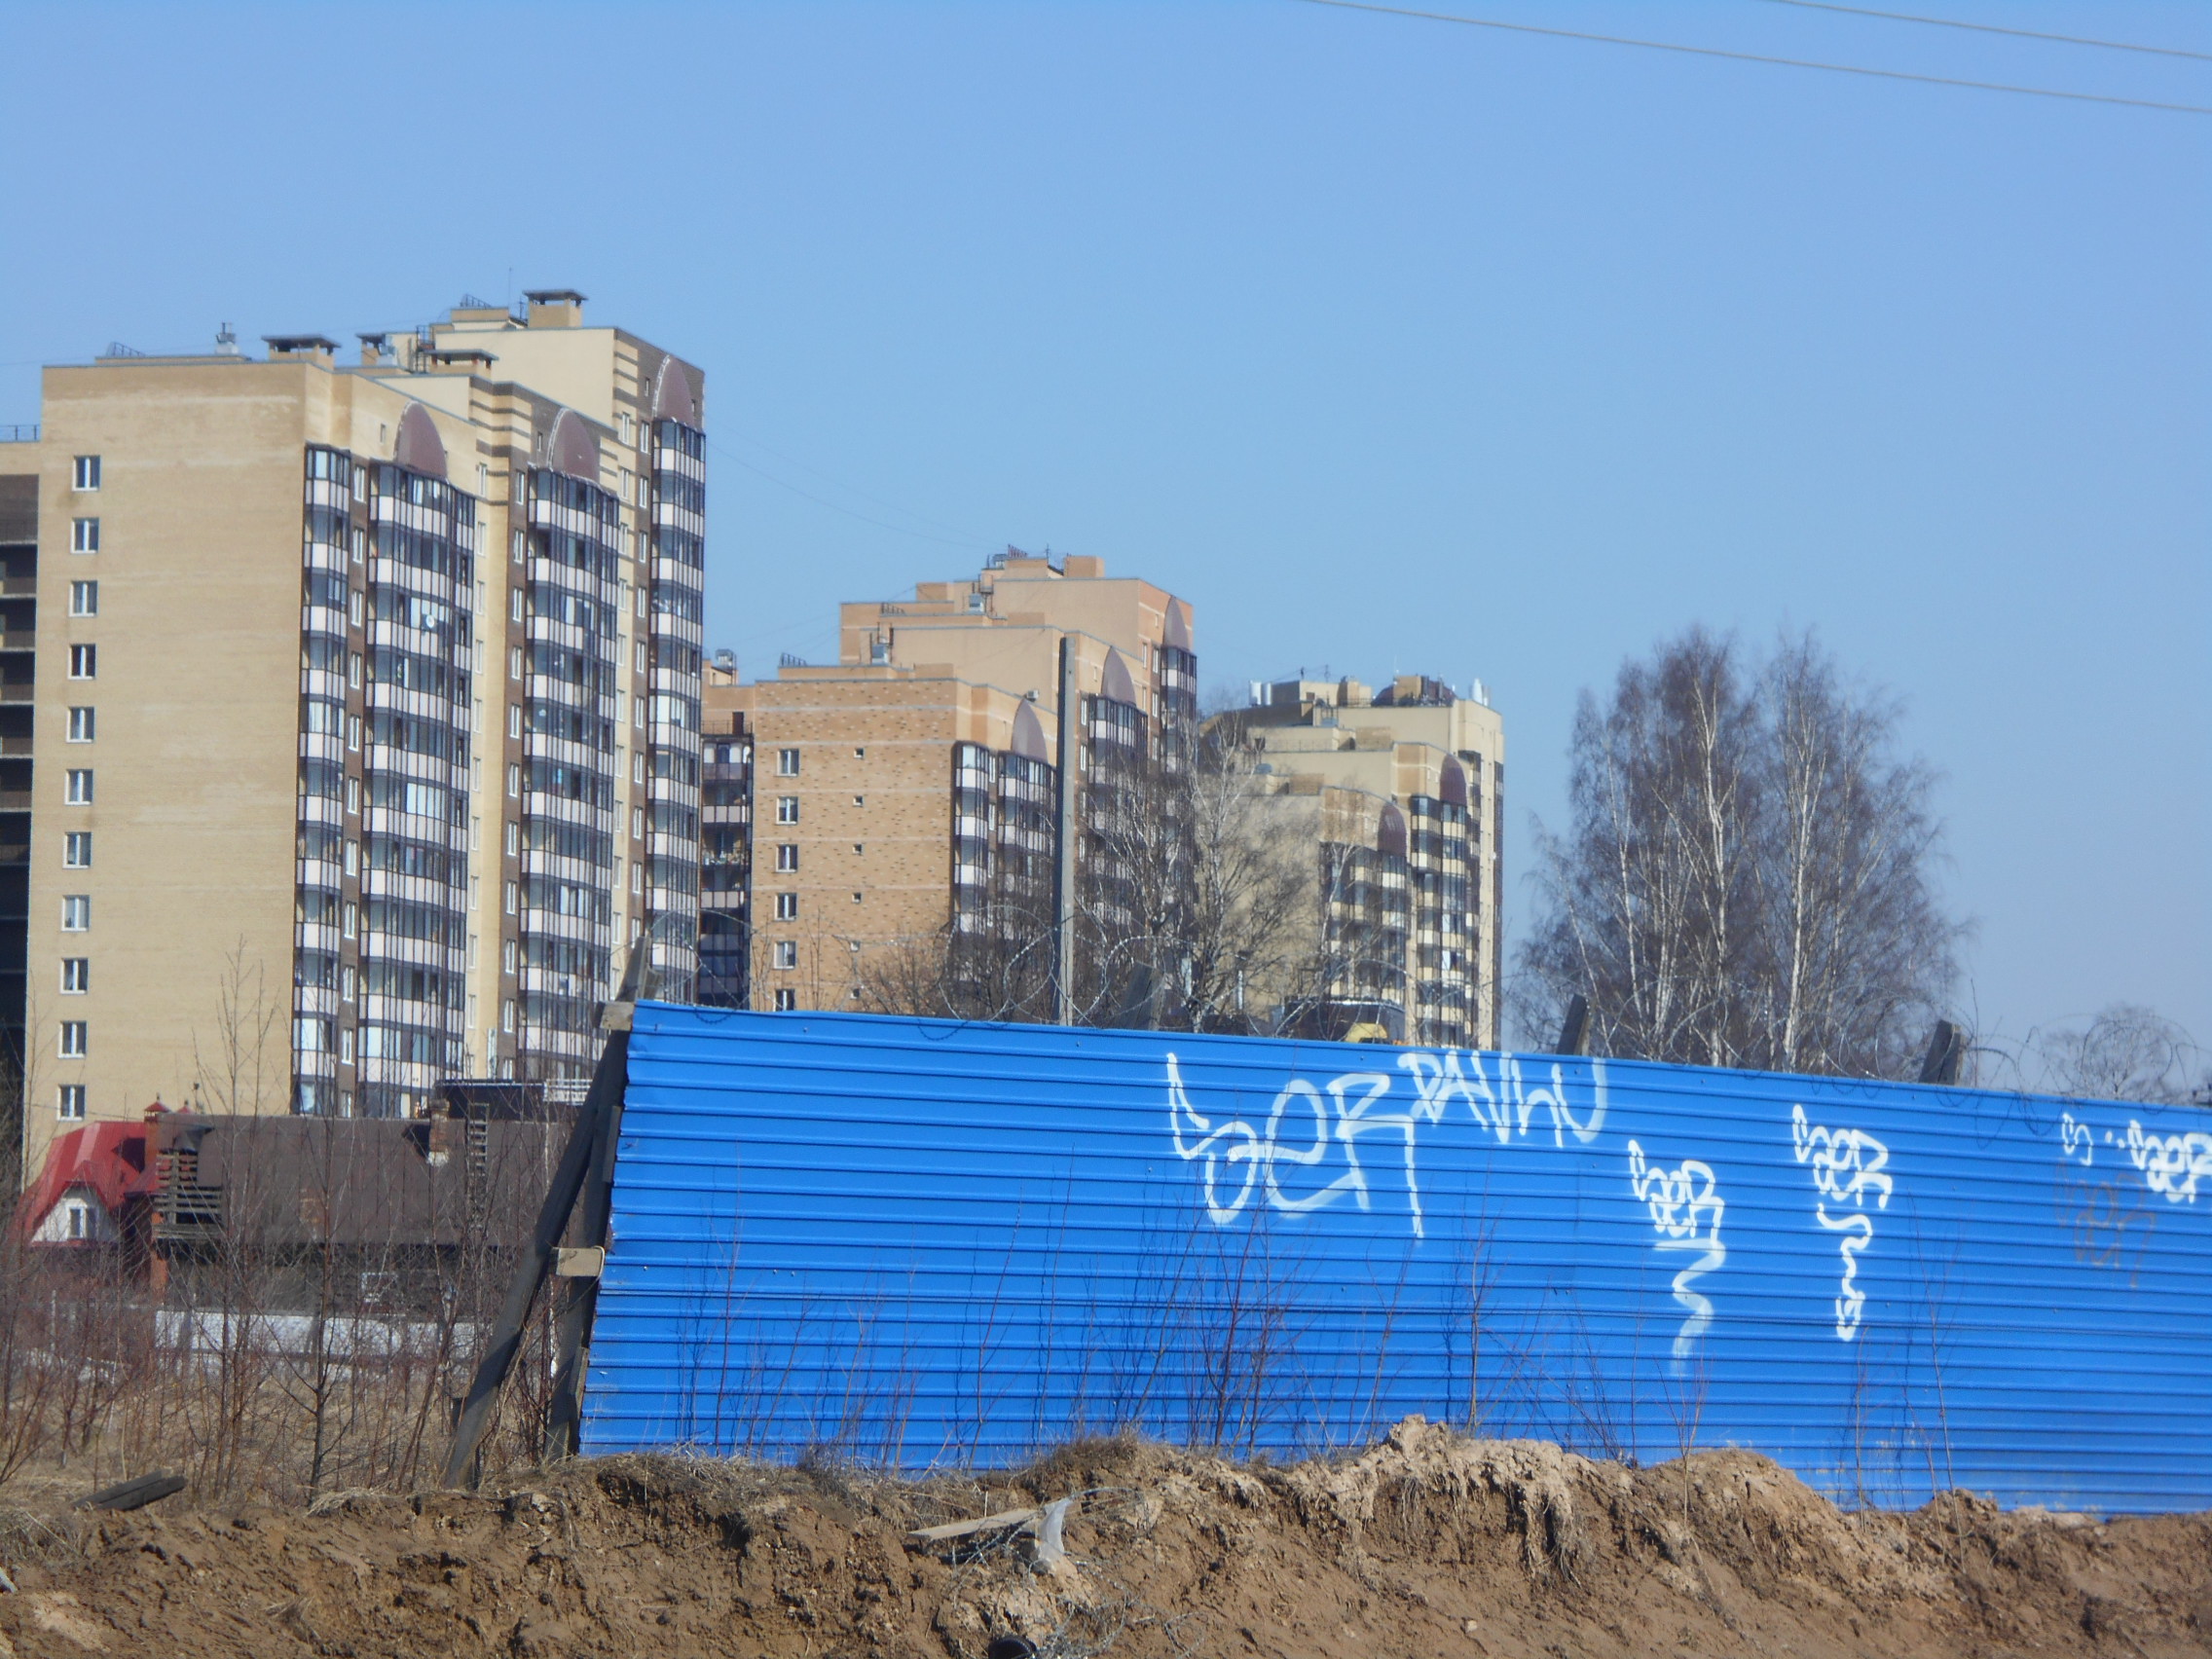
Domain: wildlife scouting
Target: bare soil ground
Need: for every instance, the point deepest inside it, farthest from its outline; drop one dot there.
(1427, 1544)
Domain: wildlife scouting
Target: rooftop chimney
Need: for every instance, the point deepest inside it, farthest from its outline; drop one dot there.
(555, 308)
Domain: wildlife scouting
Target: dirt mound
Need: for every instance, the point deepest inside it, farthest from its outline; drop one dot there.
(1427, 1544)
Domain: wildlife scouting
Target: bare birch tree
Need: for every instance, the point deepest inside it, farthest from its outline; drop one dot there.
(1746, 881)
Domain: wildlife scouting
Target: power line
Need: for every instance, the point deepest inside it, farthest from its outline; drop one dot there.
(851, 488)
(1758, 57)
(1997, 28)
(835, 507)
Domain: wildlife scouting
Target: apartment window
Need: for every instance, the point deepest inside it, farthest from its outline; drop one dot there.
(857, 849)
(83, 598)
(354, 732)
(84, 536)
(786, 856)
(346, 1046)
(352, 857)
(507, 1015)
(69, 1104)
(84, 662)
(78, 786)
(637, 878)
(483, 479)
(636, 821)
(855, 898)
(787, 1002)
(507, 955)
(353, 668)
(514, 720)
(786, 809)
(514, 839)
(787, 906)
(77, 850)
(514, 604)
(510, 898)
(76, 976)
(514, 663)
(352, 920)
(787, 953)
(787, 762)
(73, 1043)
(348, 983)
(353, 608)
(859, 753)
(86, 475)
(76, 912)
(859, 800)
(81, 724)
(514, 780)
(521, 543)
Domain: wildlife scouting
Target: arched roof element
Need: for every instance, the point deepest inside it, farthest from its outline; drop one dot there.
(417, 447)
(672, 397)
(573, 447)
(1029, 735)
(1114, 680)
(1390, 833)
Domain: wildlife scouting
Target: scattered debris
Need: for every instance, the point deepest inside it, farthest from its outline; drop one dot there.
(134, 1495)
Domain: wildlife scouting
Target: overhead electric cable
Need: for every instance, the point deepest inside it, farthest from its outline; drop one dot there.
(1758, 57)
(835, 507)
(1996, 28)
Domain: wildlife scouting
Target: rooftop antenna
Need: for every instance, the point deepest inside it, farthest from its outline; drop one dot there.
(226, 342)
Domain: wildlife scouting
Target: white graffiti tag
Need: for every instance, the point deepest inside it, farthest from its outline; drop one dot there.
(2074, 1138)
(1504, 1104)
(2171, 1165)
(1847, 1166)
(1353, 1097)
(1686, 1208)
(1289, 1158)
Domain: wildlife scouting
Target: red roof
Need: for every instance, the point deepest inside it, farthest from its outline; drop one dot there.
(112, 1159)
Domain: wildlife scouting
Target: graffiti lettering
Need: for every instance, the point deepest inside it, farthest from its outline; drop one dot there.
(2171, 1165)
(1686, 1208)
(1305, 1122)
(2074, 1138)
(1847, 1165)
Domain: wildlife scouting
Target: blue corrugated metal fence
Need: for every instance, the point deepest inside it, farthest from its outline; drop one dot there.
(925, 1242)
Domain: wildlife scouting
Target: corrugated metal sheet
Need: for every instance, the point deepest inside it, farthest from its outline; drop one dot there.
(927, 1242)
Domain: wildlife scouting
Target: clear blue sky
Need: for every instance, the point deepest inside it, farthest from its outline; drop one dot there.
(1393, 345)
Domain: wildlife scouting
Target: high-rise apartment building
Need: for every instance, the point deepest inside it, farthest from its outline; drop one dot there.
(1411, 784)
(365, 714)
(897, 812)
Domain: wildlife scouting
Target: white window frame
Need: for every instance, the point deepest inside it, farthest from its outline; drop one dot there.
(77, 785)
(786, 954)
(76, 849)
(787, 762)
(787, 906)
(69, 1102)
(787, 858)
(83, 535)
(83, 598)
(787, 1001)
(83, 724)
(73, 1039)
(84, 661)
(84, 475)
(76, 912)
(786, 809)
(76, 976)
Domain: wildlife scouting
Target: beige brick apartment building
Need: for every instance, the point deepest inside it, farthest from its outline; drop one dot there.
(900, 811)
(362, 738)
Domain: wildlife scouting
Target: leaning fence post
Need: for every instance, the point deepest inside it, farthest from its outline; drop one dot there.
(1573, 1030)
(1947, 1048)
(600, 1111)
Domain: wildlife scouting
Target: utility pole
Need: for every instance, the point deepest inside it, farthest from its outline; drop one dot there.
(1070, 730)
